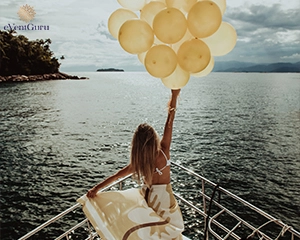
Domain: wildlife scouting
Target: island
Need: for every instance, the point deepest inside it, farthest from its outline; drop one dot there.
(23, 60)
(109, 70)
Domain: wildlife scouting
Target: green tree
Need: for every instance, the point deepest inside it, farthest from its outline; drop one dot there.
(18, 55)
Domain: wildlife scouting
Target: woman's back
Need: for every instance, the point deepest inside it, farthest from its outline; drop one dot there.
(162, 168)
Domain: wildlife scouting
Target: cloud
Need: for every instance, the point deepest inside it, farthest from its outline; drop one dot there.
(102, 30)
(78, 30)
(265, 33)
(292, 57)
(267, 16)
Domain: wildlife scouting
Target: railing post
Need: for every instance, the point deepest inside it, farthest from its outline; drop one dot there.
(204, 201)
(90, 230)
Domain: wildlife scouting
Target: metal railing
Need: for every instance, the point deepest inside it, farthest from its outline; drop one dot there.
(212, 220)
(69, 210)
(212, 223)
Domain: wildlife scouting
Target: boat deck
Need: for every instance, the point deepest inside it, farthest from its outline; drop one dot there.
(209, 211)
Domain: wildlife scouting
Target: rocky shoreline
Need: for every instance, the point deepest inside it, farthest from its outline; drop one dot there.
(41, 77)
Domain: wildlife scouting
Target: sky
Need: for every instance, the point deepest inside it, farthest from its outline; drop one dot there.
(268, 31)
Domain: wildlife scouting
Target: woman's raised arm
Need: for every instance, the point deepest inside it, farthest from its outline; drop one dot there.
(167, 135)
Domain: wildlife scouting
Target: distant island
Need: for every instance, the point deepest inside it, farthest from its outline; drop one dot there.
(109, 70)
(235, 66)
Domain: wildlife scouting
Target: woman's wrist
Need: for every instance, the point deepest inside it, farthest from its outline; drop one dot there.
(172, 109)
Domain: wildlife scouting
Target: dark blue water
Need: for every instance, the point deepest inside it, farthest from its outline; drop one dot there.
(59, 138)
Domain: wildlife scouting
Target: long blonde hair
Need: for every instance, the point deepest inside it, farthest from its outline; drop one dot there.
(144, 149)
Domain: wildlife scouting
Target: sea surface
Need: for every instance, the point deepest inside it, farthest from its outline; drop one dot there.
(59, 138)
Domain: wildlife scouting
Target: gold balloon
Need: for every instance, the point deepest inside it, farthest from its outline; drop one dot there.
(206, 70)
(187, 36)
(184, 5)
(136, 36)
(169, 25)
(221, 4)
(222, 41)
(193, 55)
(160, 61)
(141, 57)
(117, 18)
(150, 10)
(178, 79)
(134, 5)
(204, 19)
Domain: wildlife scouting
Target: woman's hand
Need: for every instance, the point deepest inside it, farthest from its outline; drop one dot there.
(92, 192)
(175, 92)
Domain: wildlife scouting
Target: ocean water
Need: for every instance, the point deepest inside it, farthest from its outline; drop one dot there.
(59, 138)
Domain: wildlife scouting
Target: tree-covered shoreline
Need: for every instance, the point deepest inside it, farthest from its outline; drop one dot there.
(21, 56)
(24, 60)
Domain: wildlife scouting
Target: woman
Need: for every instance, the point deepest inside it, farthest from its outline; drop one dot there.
(150, 162)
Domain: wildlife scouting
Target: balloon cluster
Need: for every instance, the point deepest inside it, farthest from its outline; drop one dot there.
(174, 39)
